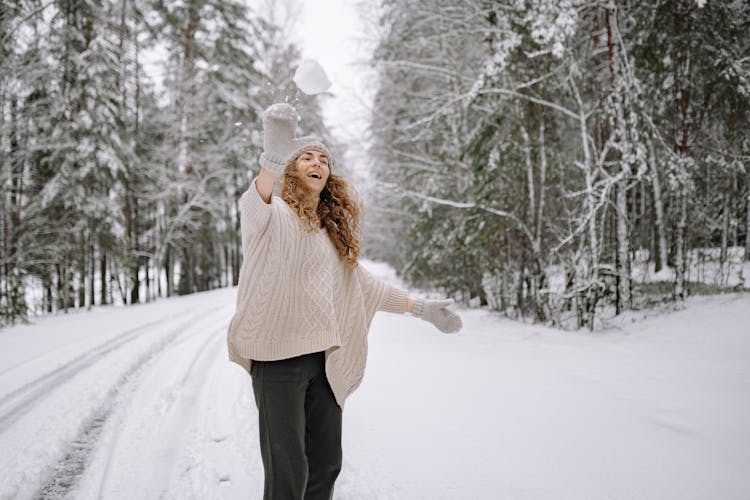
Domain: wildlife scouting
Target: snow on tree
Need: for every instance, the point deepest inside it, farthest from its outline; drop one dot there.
(525, 146)
(101, 165)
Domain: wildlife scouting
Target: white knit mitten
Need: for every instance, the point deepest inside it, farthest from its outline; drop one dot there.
(437, 313)
(279, 127)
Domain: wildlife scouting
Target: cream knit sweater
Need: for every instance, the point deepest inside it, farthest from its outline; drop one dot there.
(296, 297)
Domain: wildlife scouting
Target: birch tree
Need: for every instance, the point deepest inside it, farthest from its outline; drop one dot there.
(515, 143)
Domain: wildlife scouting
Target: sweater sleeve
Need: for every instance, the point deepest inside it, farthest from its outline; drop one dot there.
(381, 294)
(255, 214)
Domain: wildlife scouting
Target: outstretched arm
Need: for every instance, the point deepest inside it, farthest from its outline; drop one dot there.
(391, 299)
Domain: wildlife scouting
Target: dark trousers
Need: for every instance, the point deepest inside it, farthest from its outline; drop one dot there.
(300, 428)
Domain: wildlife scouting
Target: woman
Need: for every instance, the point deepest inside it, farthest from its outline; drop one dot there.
(304, 307)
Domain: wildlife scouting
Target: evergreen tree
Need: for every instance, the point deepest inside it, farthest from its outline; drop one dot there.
(526, 147)
(100, 166)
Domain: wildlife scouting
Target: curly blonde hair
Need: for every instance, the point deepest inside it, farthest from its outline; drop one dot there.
(338, 211)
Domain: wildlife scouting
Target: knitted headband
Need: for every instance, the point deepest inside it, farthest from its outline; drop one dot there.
(310, 143)
(280, 146)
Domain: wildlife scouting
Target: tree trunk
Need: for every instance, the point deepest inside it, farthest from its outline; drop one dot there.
(682, 128)
(110, 287)
(157, 273)
(679, 286)
(186, 88)
(542, 187)
(103, 275)
(168, 270)
(540, 279)
(520, 302)
(147, 268)
(128, 209)
(14, 296)
(135, 297)
(92, 261)
(187, 282)
(725, 211)
(237, 261)
(50, 303)
(82, 273)
(64, 281)
(623, 247)
(116, 277)
(644, 232)
(661, 238)
(593, 247)
(237, 243)
(225, 266)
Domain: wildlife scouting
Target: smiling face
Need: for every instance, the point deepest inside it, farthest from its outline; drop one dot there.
(313, 168)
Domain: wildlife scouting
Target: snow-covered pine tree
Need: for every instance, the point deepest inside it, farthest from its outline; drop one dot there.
(691, 57)
(98, 165)
(61, 81)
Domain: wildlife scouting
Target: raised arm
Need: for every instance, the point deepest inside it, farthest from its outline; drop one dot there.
(279, 125)
(264, 184)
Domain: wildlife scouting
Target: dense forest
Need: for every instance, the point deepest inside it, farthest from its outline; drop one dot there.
(532, 156)
(114, 173)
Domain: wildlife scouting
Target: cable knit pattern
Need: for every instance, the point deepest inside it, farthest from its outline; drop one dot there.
(295, 296)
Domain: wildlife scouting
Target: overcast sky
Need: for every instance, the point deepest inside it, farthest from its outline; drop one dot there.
(337, 35)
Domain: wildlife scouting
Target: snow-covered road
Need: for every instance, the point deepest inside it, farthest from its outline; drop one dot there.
(140, 402)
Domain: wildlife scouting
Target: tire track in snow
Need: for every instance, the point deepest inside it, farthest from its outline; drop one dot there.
(217, 459)
(73, 465)
(66, 346)
(15, 404)
(174, 423)
(70, 468)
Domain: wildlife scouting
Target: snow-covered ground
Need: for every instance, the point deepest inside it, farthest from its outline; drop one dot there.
(703, 266)
(141, 402)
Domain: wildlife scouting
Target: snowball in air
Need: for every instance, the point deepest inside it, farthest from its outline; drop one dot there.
(311, 78)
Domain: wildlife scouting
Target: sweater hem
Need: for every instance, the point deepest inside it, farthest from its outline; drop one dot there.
(263, 350)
